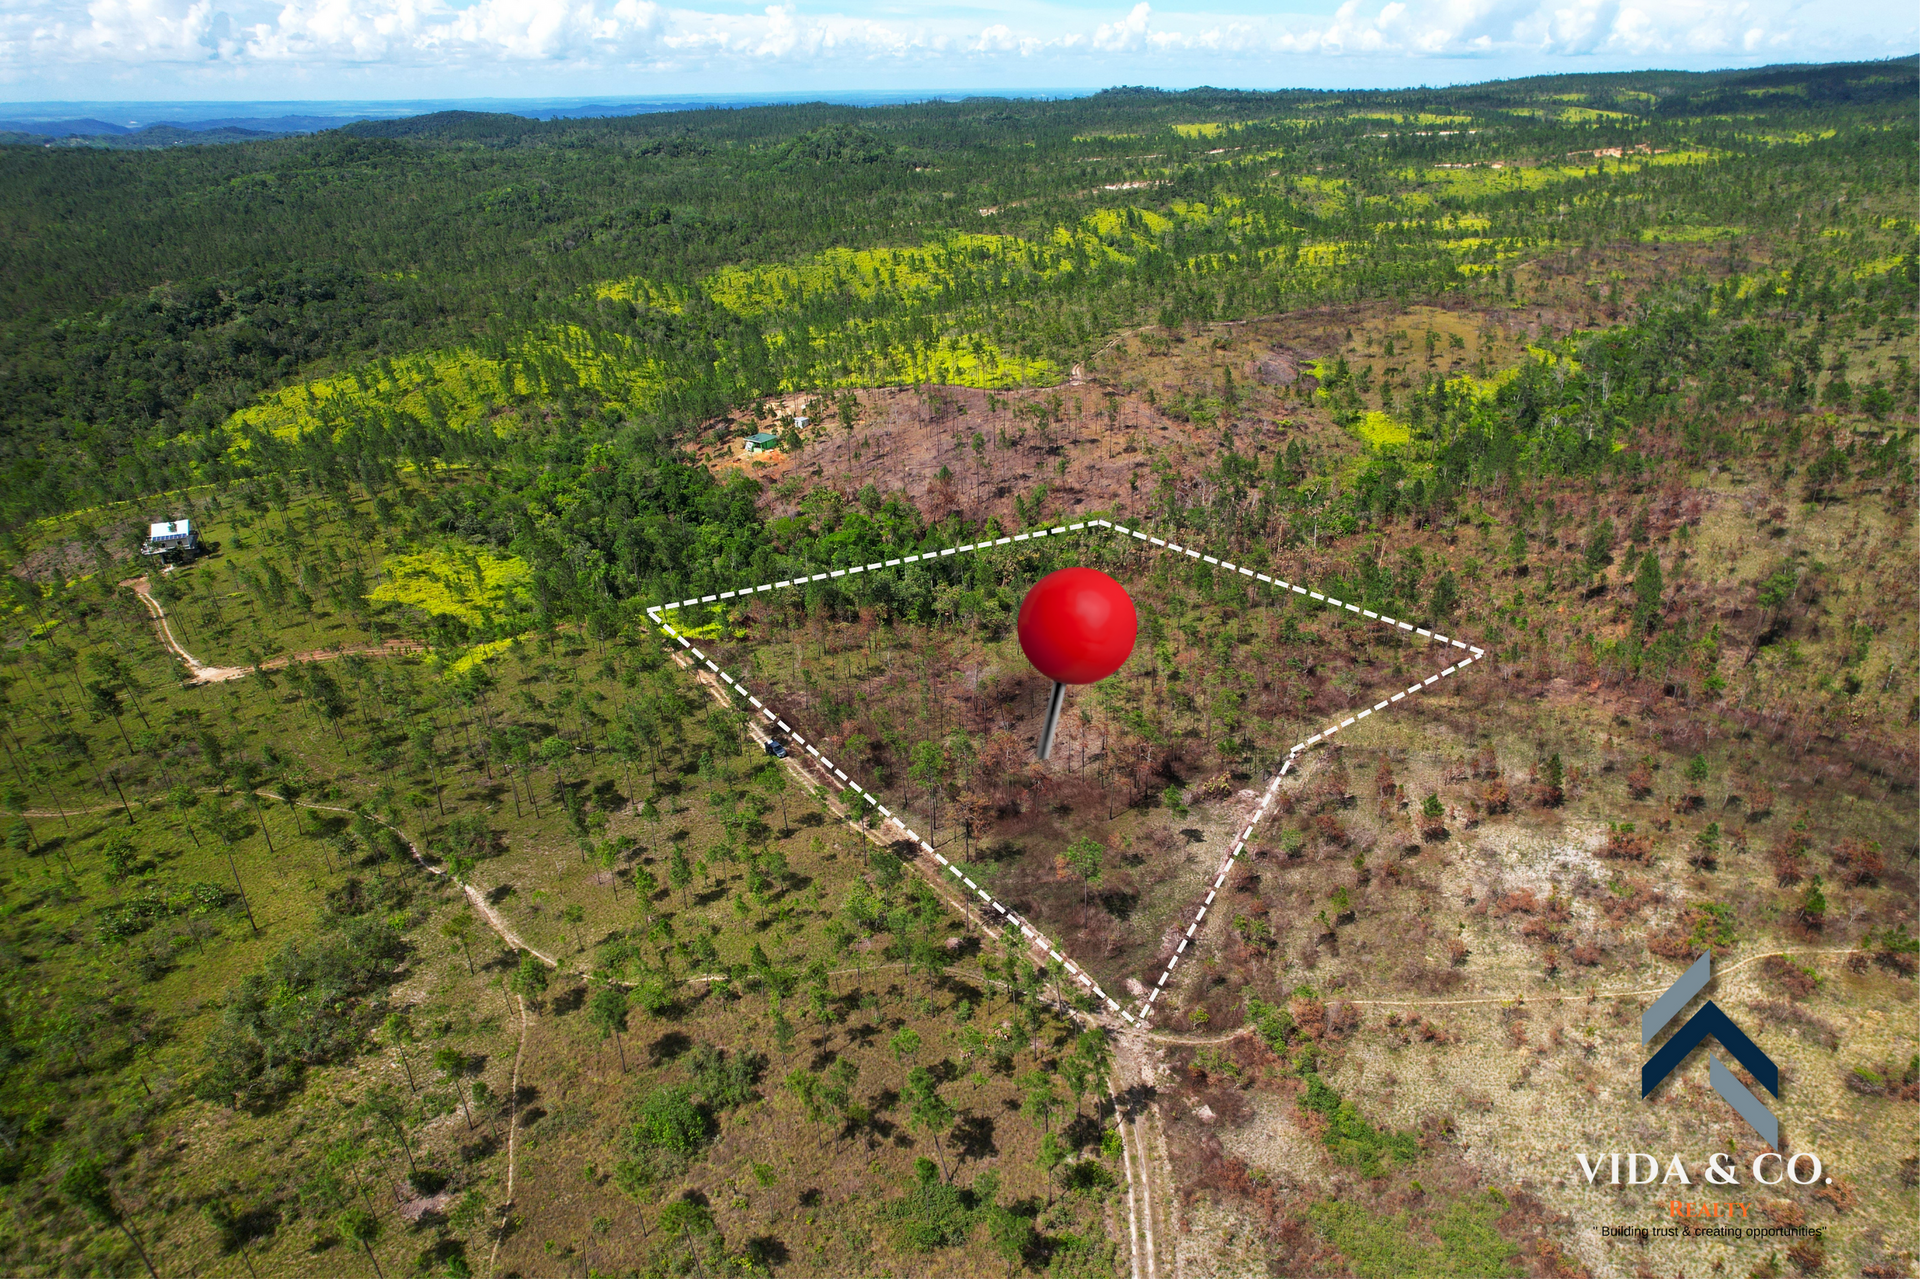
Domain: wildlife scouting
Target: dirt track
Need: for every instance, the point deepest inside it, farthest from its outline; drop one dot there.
(205, 674)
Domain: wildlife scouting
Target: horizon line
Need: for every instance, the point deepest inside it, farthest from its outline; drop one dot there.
(927, 95)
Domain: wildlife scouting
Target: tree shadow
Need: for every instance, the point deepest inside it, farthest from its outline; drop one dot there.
(1087, 1175)
(766, 1252)
(961, 988)
(484, 1147)
(440, 1257)
(973, 1137)
(667, 1047)
(240, 1228)
(1082, 1132)
(1131, 1101)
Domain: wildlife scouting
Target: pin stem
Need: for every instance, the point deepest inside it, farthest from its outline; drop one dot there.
(1053, 719)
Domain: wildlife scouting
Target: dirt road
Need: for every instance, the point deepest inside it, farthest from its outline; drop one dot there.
(205, 674)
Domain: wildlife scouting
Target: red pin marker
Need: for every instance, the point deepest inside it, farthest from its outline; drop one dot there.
(1077, 626)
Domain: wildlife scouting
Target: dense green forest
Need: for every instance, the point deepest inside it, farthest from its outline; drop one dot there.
(667, 267)
(388, 849)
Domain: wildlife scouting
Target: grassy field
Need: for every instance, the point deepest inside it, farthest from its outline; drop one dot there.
(457, 923)
(737, 910)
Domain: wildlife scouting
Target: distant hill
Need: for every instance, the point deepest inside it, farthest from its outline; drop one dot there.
(169, 133)
(447, 125)
(115, 136)
(64, 128)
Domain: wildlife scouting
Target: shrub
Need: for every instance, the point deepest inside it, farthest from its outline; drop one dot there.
(1813, 905)
(1348, 1135)
(724, 1081)
(1375, 1244)
(1640, 779)
(931, 1214)
(668, 1119)
(1486, 765)
(1858, 861)
(1808, 1257)
(1273, 1025)
(1798, 982)
(1702, 926)
(1309, 1015)
(1897, 949)
(1786, 855)
(1706, 848)
(1625, 844)
(308, 1006)
(1551, 791)
(1256, 932)
(1520, 901)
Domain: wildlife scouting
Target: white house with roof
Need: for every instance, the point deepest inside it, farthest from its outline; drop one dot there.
(168, 537)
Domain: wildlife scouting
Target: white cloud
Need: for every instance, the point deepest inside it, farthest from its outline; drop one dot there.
(250, 38)
(404, 31)
(1128, 34)
(1000, 38)
(148, 29)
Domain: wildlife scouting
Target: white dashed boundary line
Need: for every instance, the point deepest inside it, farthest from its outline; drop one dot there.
(1033, 936)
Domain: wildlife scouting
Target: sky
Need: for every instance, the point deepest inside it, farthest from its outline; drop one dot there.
(285, 50)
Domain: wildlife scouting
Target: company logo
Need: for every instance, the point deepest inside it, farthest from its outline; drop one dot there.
(1709, 1021)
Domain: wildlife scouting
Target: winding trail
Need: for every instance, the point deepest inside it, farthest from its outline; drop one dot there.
(1143, 1150)
(1145, 1157)
(513, 1124)
(1131, 1082)
(205, 674)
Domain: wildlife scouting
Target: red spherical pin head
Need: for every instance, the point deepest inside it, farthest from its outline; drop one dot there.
(1077, 626)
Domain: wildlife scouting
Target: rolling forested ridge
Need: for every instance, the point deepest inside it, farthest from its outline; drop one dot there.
(702, 260)
(385, 889)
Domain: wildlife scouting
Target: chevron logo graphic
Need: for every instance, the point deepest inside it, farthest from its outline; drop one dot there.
(1709, 1021)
